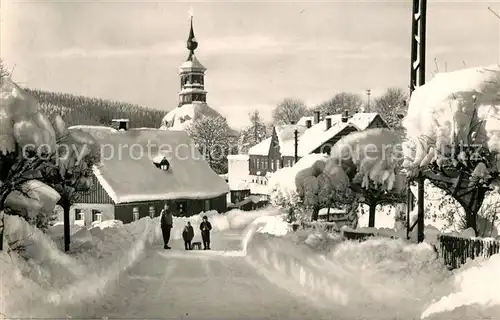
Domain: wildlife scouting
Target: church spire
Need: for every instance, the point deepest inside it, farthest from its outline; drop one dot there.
(192, 74)
(191, 44)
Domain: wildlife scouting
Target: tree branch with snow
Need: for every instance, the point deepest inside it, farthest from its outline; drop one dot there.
(453, 132)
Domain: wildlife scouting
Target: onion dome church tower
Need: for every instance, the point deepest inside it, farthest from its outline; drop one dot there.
(192, 95)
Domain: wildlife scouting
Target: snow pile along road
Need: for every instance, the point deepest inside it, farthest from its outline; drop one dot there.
(381, 277)
(43, 279)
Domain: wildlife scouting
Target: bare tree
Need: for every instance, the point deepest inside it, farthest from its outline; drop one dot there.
(391, 105)
(341, 101)
(253, 134)
(289, 111)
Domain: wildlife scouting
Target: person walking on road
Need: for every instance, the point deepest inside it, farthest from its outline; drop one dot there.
(166, 222)
(188, 235)
(205, 228)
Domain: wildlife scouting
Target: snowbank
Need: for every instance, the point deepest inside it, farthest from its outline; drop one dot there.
(47, 280)
(379, 277)
(476, 284)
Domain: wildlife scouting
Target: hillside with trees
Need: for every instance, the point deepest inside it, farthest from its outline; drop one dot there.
(93, 111)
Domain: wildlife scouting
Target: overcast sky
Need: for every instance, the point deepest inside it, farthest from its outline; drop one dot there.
(256, 52)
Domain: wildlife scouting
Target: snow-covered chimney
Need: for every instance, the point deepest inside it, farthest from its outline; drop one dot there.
(345, 116)
(316, 117)
(122, 124)
(308, 123)
(328, 121)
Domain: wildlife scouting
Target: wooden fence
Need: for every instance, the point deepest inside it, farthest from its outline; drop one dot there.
(455, 251)
(357, 236)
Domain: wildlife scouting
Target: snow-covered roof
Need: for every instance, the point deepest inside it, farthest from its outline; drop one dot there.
(286, 139)
(311, 138)
(361, 119)
(239, 185)
(93, 130)
(257, 188)
(261, 148)
(315, 136)
(128, 173)
(192, 64)
(181, 117)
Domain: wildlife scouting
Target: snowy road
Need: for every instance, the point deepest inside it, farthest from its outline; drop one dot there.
(175, 284)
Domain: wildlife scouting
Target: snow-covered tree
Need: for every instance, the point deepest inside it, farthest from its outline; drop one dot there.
(27, 140)
(70, 174)
(214, 139)
(390, 105)
(351, 102)
(253, 134)
(370, 160)
(289, 111)
(453, 132)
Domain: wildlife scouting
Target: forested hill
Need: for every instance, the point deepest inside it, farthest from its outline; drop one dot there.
(93, 111)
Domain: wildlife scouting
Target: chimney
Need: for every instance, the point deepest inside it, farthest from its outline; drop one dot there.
(308, 123)
(328, 123)
(316, 117)
(345, 116)
(122, 124)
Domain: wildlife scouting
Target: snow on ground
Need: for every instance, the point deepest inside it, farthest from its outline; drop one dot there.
(50, 278)
(381, 277)
(385, 278)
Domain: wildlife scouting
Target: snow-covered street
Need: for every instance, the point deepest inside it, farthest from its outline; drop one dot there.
(217, 284)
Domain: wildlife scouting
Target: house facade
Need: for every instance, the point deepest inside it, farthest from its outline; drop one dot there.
(311, 134)
(141, 170)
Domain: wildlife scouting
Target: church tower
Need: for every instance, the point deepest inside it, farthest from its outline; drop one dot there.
(192, 103)
(192, 75)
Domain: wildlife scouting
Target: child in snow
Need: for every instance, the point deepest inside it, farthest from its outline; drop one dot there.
(205, 228)
(188, 235)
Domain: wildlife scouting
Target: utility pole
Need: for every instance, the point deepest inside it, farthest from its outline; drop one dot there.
(368, 94)
(296, 141)
(417, 78)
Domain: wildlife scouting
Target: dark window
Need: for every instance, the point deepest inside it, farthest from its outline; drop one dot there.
(78, 214)
(182, 207)
(96, 215)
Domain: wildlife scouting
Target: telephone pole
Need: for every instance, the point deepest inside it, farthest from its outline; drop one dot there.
(417, 78)
(368, 94)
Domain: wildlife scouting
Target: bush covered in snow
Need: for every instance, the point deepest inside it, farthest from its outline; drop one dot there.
(453, 135)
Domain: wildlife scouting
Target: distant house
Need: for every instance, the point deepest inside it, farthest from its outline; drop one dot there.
(141, 170)
(314, 135)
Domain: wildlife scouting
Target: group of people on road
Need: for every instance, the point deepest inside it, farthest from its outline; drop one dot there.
(166, 222)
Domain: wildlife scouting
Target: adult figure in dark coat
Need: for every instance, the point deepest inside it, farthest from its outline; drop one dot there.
(166, 222)
(205, 228)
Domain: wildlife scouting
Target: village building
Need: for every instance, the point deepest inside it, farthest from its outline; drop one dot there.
(141, 170)
(315, 134)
